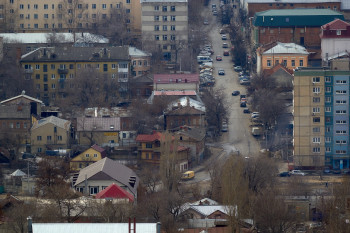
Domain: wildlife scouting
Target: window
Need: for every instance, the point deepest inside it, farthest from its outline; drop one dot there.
(53, 86)
(164, 8)
(340, 112)
(156, 37)
(340, 151)
(328, 129)
(327, 109)
(49, 138)
(316, 99)
(21, 6)
(127, 11)
(316, 79)
(316, 129)
(284, 63)
(148, 145)
(340, 142)
(340, 92)
(340, 82)
(172, 8)
(327, 79)
(97, 66)
(46, 6)
(21, 16)
(114, 66)
(105, 67)
(173, 18)
(123, 65)
(93, 190)
(340, 131)
(328, 89)
(340, 101)
(316, 119)
(301, 63)
(293, 63)
(39, 149)
(316, 150)
(165, 28)
(156, 8)
(165, 18)
(340, 122)
(328, 149)
(87, 155)
(59, 138)
(156, 18)
(24, 125)
(172, 28)
(95, 155)
(328, 139)
(316, 140)
(46, 16)
(18, 125)
(104, 6)
(93, 6)
(173, 37)
(316, 90)
(38, 138)
(268, 63)
(165, 47)
(328, 99)
(165, 37)
(316, 110)
(35, 6)
(338, 32)
(156, 27)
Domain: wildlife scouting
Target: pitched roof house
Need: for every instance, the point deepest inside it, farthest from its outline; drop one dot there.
(87, 157)
(176, 82)
(113, 191)
(105, 172)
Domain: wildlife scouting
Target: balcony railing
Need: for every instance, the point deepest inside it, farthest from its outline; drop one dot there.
(62, 71)
(28, 71)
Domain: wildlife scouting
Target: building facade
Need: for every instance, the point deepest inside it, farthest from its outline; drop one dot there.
(335, 38)
(176, 82)
(321, 118)
(87, 157)
(166, 24)
(53, 70)
(66, 15)
(300, 26)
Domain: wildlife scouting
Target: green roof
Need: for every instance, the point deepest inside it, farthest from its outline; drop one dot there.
(320, 72)
(295, 17)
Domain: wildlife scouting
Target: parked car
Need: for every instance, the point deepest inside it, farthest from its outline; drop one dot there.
(226, 53)
(206, 22)
(254, 114)
(297, 172)
(246, 110)
(237, 68)
(243, 104)
(224, 126)
(244, 82)
(218, 58)
(221, 72)
(222, 31)
(284, 174)
(235, 93)
(223, 37)
(327, 171)
(337, 171)
(224, 45)
(215, 13)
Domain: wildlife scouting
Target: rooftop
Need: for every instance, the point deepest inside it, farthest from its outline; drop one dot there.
(144, 1)
(98, 124)
(336, 24)
(176, 78)
(290, 1)
(295, 17)
(22, 95)
(64, 124)
(286, 48)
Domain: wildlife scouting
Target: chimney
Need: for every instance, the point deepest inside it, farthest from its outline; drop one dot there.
(30, 227)
(159, 227)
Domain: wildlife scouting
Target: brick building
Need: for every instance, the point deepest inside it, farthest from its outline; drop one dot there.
(254, 6)
(300, 26)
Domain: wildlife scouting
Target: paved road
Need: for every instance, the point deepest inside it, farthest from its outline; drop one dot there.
(239, 135)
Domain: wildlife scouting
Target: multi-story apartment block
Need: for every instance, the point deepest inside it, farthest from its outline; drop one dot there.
(300, 26)
(165, 26)
(52, 69)
(254, 6)
(66, 15)
(321, 118)
(335, 38)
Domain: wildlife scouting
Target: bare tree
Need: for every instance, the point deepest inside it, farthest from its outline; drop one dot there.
(71, 14)
(17, 216)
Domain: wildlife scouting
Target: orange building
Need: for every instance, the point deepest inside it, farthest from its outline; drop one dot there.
(290, 55)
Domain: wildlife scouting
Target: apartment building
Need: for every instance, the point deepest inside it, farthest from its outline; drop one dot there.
(164, 26)
(52, 69)
(321, 118)
(65, 15)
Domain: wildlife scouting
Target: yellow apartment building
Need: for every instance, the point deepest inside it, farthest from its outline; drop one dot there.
(290, 55)
(87, 157)
(51, 68)
(65, 15)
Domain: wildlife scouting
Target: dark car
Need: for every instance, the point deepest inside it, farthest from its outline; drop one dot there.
(226, 53)
(28, 156)
(235, 93)
(237, 68)
(284, 174)
(218, 58)
(327, 171)
(243, 104)
(337, 171)
(246, 110)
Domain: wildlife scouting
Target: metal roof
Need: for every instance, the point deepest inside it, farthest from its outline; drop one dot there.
(134, 52)
(116, 171)
(186, 101)
(175, 78)
(295, 17)
(22, 95)
(287, 48)
(98, 124)
(92, 227)
(64, 124)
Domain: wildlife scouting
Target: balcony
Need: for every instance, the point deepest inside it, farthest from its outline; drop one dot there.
(62, 71)
(28, 71)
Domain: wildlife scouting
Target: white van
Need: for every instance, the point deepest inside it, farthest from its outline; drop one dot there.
(201, 59)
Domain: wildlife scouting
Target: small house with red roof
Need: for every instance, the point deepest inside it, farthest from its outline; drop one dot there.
(87, 157)
(176, 82)
(114, 191)
(149, 150)
(282, 76)
(335, 38)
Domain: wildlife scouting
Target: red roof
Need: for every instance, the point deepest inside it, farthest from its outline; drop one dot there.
(176, 78)
(180, 93)
(98, 148)
(116, 192)
(268, 72)
(149, 137)
(336, 24)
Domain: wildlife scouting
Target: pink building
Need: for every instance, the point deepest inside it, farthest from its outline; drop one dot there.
(176, 82)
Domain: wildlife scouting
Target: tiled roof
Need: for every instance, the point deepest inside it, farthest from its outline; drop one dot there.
(98, 148)
(336, 24)
(149, 137)
(78, 54)
(98, 124)
(175, 78)
(64, 124)
(116, 171)
(268, 72)
(114, 191)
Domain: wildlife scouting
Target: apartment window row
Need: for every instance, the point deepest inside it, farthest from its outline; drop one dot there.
(13, 125)
(71, 67)
(340, 111)
(164, 8)
(341, 82)
(340, 142)
(340, 131)
(316, 140)
(60, 6)
(316, 149)
(165, 28)
(340, 101)
(340, 92)
(49, 138)
(284, 63)
(140, 63)
(340, 122)
(316, 79)
(340, 152)
(165, 18)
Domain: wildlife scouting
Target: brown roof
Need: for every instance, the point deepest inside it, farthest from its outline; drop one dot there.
(269, 72)
(149, 137)
(98, 148)
(176, 78)
(336, 24)
(186, 110)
